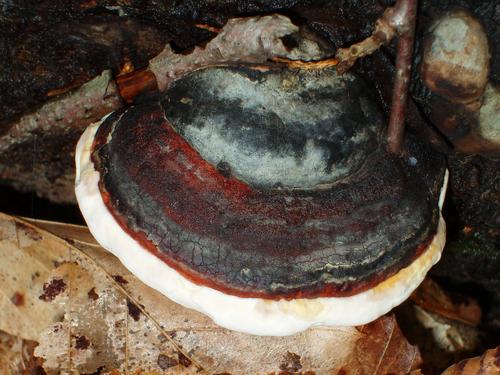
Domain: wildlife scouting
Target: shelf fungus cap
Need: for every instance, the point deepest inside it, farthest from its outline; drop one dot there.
(264, 198)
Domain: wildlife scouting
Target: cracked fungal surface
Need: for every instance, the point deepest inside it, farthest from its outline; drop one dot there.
(280, 189)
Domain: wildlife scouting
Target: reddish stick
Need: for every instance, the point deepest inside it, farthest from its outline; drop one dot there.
(404, 57)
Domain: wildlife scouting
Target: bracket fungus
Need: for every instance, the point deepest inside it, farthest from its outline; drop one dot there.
(264, 196)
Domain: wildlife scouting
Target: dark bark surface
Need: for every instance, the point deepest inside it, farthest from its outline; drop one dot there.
(49, 45)
(57, 45)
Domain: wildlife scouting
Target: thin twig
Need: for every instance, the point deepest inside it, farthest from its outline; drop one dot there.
(404, 59)
(382, 34)
(391, 23)
(207, 27)
(397, 20)
(306, 65)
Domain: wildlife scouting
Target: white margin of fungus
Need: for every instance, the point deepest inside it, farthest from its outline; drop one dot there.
(249, 315)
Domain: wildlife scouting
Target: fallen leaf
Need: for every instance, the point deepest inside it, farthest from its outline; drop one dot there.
(487, 364)
(104, 319)
(385, 350)
(433, 298)
(24, 269)
(16, 356)
(449, 335)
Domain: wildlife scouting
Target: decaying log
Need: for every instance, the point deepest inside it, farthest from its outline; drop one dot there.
(32, 159)
(37, 152)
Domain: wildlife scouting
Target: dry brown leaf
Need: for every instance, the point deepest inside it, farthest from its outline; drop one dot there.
(385, 350)
(433, 298)
(23, 271)
(487, 364)
(16, 356)
(450, 335)
(92, 313)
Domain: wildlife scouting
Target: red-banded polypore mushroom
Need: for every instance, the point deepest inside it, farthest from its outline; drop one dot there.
(264, 197)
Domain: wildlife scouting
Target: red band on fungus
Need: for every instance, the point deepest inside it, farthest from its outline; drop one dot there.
(172, 176)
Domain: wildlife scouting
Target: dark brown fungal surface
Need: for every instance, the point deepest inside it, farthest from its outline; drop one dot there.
(365, 215)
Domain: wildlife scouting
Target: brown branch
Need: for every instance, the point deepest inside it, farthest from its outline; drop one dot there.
(396, 20)
(392, 22)
(382, 34)
(404, 56)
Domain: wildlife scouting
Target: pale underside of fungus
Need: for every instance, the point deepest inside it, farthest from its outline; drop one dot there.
(264, 197)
